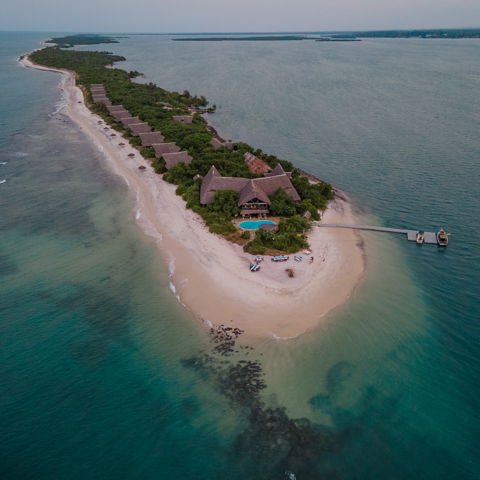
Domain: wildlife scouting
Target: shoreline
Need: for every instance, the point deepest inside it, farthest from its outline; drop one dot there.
(210, 275)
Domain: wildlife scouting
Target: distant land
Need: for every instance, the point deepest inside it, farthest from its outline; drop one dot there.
(337, 36)
(269, 38)
(434, 33)
(81, 39)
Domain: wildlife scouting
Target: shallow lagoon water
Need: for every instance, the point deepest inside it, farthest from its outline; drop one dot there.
(93, 375)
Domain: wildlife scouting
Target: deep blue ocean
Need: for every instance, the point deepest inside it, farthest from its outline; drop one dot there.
(96, 375)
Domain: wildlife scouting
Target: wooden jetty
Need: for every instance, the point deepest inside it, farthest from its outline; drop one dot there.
(430, 237)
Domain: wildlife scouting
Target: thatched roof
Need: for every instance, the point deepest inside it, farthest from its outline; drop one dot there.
(248, 189)
(115, 108)
(217, 143)
(130, 120)
(162, 148)
(119, 114)
(172, 159)
(278, 170)
(250, 192)
(96, 85)
(255, 164)
(183, 118)
(138, 128)
(148, 139)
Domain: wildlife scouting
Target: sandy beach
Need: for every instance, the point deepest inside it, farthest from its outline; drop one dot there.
(209, 275)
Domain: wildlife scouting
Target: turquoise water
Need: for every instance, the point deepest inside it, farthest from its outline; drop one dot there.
(96, 361)
(254, 224)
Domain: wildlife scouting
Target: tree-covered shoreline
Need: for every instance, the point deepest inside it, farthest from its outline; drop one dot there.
(147, 101)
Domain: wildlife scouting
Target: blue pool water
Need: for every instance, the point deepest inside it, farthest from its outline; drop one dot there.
(254, 224)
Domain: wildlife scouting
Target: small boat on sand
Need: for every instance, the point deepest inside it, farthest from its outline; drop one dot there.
(420, 239)
(442, 237)
(254, 267)
(280, 258)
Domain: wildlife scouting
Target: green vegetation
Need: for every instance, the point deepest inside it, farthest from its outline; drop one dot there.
(225, 203)
(289, 238)
(148, 101)
(71, 40)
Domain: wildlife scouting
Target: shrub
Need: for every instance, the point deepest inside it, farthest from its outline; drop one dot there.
(225, 203)
(147, 152)
(245, 235)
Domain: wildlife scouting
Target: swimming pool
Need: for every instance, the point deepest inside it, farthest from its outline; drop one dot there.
(254, 224)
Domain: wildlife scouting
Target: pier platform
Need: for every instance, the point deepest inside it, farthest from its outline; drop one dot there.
(430, 237)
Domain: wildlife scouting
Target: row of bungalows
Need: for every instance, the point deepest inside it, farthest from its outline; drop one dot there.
(170, 152)
(99, 95)
(253, 193)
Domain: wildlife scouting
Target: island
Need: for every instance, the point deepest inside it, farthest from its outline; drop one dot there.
(212, 204)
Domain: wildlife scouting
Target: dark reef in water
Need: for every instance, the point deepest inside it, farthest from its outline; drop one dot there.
(278, 443)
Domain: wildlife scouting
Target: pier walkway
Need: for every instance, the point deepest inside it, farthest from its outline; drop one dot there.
(430, 237)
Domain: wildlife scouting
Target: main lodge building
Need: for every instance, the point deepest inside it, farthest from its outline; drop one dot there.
(253, 192)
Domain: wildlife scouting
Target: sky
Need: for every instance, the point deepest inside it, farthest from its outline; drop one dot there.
(176, 16)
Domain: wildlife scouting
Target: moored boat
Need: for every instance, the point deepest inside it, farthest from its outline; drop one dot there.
(442, 237)
(420, 239)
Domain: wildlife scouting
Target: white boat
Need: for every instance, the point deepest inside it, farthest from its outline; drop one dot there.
(2, 181)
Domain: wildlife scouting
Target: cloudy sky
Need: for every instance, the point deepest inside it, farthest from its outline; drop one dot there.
(164, 16)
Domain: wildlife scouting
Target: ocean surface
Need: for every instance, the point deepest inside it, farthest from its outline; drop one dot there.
(99, 377)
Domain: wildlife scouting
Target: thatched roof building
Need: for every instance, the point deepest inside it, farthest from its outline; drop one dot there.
(130, 120)
(217, 143)
(253, 193)
(119, 114)
(278, 170)
(162, 148)
(183, 118)
(96, 85)
(255, 164)
(172, 159)
(150, 138)
(138, 128)
(115, 108)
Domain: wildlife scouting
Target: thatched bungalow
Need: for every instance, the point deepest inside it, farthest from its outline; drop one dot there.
(130, 120)
(255, 164)
(217, 143)
(138, 128)
(253, 193)
(183, 118)
(101, 99)
(96, 85)
(150, 138)
(163, 148)
(115, 108)
(172, 159)
(119, 114)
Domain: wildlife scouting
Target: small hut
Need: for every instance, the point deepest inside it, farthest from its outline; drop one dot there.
(115, 108)
(163, 148)
(255, 164)
(138, 128)
(150, 138)
(172, 159)
(119, 114)
(130, 120)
